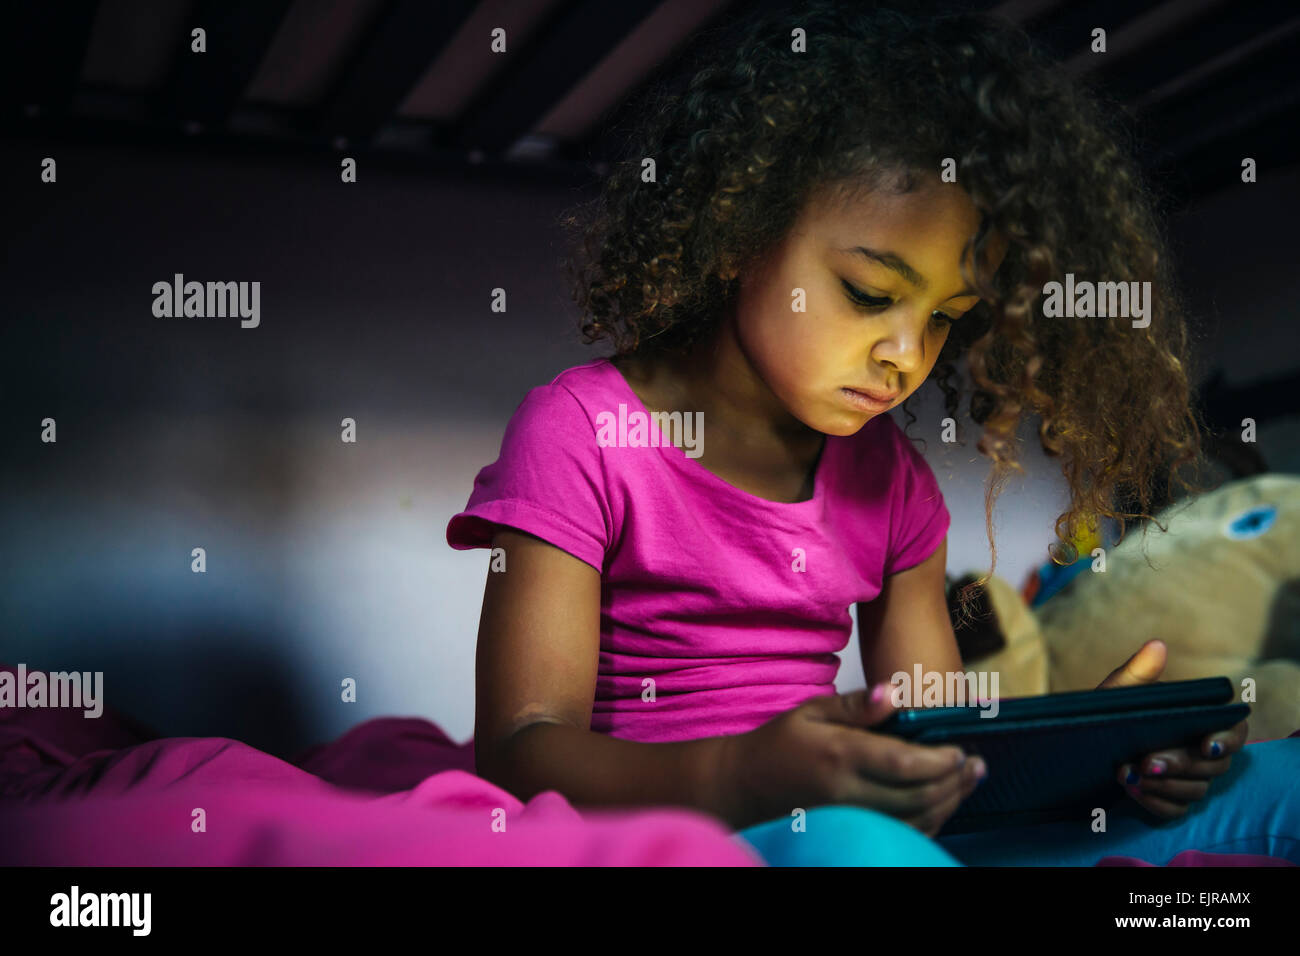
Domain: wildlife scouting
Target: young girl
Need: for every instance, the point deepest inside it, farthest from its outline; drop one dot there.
(840, 201)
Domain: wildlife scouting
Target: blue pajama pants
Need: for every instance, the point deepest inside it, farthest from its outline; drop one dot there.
(1253, 808)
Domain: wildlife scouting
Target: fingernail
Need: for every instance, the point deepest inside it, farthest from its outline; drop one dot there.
(981, 770)
(961, 758)
(1132, 778)
(1156, 767)
(878, 694)
(1216, 748)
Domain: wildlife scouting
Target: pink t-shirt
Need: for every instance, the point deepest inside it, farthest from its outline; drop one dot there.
(719, 609)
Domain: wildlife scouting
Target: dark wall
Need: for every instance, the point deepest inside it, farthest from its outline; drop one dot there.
(328, 560)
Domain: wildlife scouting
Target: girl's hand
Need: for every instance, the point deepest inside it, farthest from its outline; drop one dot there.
(1169, 781)
(821, 752)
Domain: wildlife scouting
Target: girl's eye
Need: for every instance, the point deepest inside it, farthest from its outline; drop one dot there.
(862, 299)
(873, 303)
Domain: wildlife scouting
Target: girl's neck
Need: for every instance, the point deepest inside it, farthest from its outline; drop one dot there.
(717, 378)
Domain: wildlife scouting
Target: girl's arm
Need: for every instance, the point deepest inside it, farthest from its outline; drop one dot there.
(908, 623)
(535, 677)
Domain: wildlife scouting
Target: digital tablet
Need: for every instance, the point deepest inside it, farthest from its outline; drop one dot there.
(1055, 757)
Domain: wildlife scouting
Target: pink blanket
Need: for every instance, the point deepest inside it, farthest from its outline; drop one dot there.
(392, 791)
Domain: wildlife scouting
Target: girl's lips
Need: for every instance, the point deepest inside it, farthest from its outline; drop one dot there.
(866, 402)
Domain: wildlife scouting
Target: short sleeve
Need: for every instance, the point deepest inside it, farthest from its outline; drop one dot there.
(919, 520)
(548, 481)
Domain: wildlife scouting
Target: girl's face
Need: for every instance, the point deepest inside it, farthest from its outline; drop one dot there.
(909, 290)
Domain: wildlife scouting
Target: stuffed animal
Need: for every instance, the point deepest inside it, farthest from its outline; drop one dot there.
(1221, 588)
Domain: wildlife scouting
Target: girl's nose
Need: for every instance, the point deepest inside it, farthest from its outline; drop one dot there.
(902, 344)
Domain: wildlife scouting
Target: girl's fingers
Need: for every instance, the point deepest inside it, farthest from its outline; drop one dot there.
(932, 821)
(898, 762)
(894, 800)
(909, 802)
(1177, 791)
(1160, 806)
(1229, 741)
(1167, 764)
(918, 800)
(1144, 667)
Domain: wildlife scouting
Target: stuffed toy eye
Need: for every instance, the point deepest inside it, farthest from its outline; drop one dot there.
(1252, 523)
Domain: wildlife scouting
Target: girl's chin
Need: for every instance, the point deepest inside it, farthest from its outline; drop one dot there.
(844, 424)
(835, 418)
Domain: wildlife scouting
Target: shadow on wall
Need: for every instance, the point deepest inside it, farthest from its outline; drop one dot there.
(220, 683)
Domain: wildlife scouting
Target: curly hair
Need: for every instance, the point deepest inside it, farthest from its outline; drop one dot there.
(879, 96)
